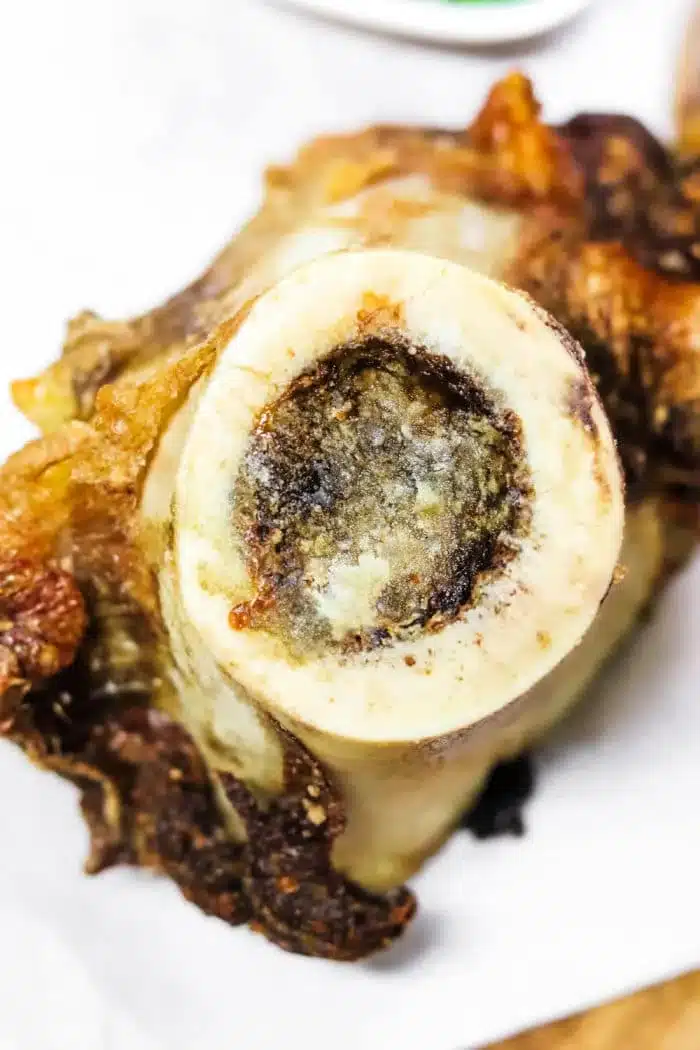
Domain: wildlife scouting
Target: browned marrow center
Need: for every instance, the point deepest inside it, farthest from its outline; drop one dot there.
(374, 495)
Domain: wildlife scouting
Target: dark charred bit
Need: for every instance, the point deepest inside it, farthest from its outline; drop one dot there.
(499, 808)
(383, 469)
(297, 899)
(638, 193)
(628, 401)
(588, 134)
(657, 445)
(678, 447)
(169, 820)
(148, 800)
(178, 827)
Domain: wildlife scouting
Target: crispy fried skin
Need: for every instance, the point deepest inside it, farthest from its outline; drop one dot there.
(608, 246)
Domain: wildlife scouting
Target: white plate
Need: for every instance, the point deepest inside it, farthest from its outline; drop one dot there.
(483, 22)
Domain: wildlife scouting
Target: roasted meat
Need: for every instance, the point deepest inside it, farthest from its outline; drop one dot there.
(307, 550)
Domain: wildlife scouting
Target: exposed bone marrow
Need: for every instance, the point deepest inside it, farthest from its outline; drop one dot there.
(383, 482)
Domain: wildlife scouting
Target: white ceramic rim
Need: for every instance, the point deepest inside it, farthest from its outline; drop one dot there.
(457, 23)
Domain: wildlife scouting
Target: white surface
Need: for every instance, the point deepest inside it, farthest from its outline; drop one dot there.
(482, 22)
(137, 130)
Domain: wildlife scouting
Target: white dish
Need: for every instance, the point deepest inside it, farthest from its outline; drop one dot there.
(485, 22)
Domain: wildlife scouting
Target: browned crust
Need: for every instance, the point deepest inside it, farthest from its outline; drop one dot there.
(148, 800)
(298, 900)
(638, 332)
(74, 580)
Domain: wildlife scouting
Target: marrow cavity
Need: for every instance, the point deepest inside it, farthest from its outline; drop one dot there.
(374, 495)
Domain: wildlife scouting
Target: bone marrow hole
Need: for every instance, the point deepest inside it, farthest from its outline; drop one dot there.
(374, 496)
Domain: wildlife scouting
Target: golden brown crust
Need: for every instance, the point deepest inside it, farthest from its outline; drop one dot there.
(518, 159)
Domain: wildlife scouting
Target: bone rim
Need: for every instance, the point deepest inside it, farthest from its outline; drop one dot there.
(527, 619)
